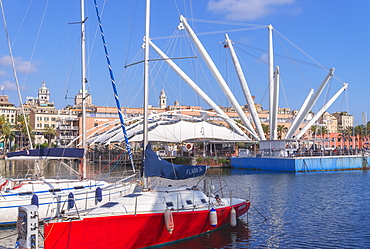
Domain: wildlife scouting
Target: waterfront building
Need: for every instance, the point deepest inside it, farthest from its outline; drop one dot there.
(78, 99)
(162, 100)
(67, 122)
(329, 122)
(64, 122)
(8, 109)
(344, 120)
(42, 100)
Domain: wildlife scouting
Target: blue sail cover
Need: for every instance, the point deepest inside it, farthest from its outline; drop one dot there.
(154, 165)
(47, 153)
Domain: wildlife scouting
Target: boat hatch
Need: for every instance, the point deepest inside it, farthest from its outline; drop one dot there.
(169, 204)
(109, 204)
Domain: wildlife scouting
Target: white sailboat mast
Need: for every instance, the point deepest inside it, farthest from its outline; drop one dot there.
(196, 88)
(321, 111)
(220, 80)
(244, 85)
(146, 82)
(83, 73)
(272, 90)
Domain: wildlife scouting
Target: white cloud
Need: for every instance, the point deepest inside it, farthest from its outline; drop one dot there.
(264, 58)
(10, 86)
(21, 65)
(243, 10)
(3, 73)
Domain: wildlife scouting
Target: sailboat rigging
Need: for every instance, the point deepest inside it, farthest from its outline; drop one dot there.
(163, 214)
(50, 195)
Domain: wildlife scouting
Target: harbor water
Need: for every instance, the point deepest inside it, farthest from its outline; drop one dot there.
(289, 210)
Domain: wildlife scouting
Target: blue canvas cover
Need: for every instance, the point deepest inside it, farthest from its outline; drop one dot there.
(49, 152)
(154, 165)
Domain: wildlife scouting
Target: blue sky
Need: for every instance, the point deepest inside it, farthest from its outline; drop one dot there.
(329, 33)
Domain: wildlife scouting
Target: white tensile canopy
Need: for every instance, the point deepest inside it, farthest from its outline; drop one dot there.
(173, 131)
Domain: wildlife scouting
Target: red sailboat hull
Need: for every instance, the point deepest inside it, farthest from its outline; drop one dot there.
(134, 231)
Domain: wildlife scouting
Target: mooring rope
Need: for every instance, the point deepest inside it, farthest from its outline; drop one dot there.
(8, 236)
(259, 212)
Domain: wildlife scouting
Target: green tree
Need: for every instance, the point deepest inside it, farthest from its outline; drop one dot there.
(23, 126)
(313, 130)
(50, 133)
(8, 135)
(4, 129)
(349, 133)
(266, 130)
(322, 130)
(281, 129)
(360, 132)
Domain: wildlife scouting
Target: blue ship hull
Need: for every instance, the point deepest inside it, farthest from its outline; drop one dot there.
(302, 164)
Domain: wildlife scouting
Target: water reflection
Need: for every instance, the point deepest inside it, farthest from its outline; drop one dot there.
(303, 210)
(225, 237)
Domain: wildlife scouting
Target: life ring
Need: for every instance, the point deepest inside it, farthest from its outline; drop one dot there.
(189, 146)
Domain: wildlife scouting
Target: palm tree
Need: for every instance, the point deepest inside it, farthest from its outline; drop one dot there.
(313, 130)
(3, 121)
(280, 130)
(266, 130)
(50, 134)
(4, 125)
(23, 126)
(343, 137)
(8, 135)
(322, 130)
(367, 132)
(349, 132)
(360, 133)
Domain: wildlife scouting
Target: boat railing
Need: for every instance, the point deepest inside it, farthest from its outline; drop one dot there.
(306, 153)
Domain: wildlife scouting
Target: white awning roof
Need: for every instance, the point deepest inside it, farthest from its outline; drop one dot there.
(174, 131)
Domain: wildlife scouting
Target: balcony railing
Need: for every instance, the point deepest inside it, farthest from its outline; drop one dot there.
(68, 127)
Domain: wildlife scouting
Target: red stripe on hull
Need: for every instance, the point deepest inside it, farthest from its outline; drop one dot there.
(133, 231)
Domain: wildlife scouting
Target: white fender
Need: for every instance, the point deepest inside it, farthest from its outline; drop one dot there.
(168, 220)
(213, 217)
(233, 217)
